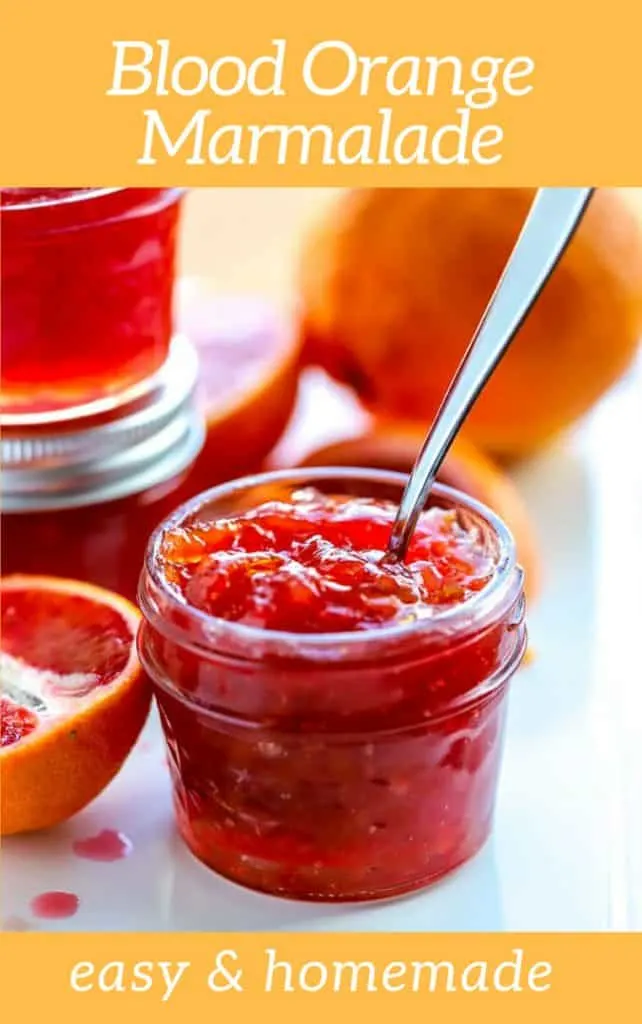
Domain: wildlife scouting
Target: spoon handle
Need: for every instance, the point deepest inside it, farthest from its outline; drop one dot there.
(549, 227)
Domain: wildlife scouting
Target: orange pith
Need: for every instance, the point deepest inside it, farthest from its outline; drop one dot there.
(74, 697)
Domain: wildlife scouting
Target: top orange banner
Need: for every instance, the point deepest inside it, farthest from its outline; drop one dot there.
(286, 94)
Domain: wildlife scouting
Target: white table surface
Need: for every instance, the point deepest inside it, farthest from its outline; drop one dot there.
(566, 853)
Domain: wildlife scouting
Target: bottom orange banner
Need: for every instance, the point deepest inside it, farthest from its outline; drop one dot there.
(499, 977)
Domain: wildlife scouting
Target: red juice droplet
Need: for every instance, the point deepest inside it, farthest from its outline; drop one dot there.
(107, 845)
(53, 905)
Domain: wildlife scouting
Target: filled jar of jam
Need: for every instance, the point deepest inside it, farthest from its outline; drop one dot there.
(81, 500)
(87, 277)
(334, 722)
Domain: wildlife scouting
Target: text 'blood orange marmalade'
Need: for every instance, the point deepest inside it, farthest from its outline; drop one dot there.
(334, 722)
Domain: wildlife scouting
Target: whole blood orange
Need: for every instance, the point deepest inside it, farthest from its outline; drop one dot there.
(389, 445)
(249, 371)
(396, 280)
(73, 697)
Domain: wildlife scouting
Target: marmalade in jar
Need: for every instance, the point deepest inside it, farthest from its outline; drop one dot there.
(87, 277)
(80, 500)
(334, 722)
(102, 543)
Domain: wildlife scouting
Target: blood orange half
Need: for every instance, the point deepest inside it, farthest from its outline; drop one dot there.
(73, 697)
(248, 379)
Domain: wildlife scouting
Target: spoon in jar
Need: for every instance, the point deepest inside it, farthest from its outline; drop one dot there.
(549, 227)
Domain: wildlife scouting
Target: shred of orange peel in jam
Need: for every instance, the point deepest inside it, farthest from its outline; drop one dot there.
(314, 564)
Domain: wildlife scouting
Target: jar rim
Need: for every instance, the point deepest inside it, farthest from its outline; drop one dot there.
(71, 195)
(80, 208)
(480, 610)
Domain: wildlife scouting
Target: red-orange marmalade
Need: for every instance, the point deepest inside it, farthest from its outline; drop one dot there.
(87, 278)
(334, 722)
(316, 565)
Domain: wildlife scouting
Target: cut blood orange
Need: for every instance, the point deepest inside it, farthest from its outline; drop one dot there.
(248, 378)
(73, 697)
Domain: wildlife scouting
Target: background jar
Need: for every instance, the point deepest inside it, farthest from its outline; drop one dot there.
(347, 766)
(80, 501)
(87, 280)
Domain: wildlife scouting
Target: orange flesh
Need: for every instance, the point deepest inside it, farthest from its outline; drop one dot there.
(15, 722)
(64, 634)
(238, 343)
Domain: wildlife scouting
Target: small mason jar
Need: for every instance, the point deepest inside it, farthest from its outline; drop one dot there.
(81, 499)
(335, 767)
(87, 278)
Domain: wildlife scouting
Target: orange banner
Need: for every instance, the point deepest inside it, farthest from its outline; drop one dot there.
(423, 977)
(282, 93)
(327, 95)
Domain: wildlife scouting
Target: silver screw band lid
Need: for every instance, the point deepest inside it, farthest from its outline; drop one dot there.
(111, 454)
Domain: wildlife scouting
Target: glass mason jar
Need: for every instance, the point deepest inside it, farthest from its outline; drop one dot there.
(82, 499)
(345, 766)
(87, 278)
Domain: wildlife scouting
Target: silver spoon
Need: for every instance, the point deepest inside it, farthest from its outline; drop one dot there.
(549, 227)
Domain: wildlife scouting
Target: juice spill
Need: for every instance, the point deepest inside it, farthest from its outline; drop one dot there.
(107, 845)
(54, 905)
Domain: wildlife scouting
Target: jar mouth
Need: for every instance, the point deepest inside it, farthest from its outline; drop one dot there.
(481, 609)
(42, 197)
(40, 216)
